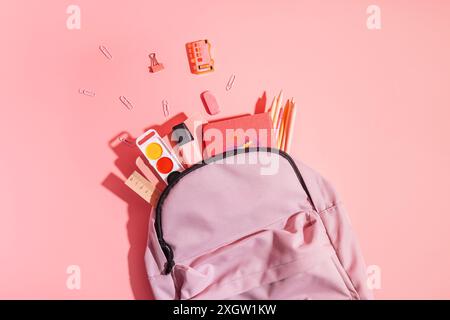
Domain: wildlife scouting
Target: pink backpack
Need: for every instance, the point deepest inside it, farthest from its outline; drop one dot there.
(252, 224)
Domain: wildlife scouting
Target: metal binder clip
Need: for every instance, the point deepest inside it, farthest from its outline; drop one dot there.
(105, 52)
(125, 102)
(155, 66)
(87, 92)
(230, 82)
(165, 107)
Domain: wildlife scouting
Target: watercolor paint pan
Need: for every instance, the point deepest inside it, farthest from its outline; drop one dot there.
(158, 154)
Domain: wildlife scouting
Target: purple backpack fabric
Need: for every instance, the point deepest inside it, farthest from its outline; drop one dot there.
(252, 224)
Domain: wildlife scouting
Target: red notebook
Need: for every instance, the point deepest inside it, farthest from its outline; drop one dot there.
(252, 131)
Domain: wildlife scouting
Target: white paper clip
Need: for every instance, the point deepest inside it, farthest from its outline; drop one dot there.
(165, 107)
(87, 92)
(230, 82)
(128, 143)
(125, 102)
(105, 52)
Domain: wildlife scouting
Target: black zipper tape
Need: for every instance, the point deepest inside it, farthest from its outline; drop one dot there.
(165, 247)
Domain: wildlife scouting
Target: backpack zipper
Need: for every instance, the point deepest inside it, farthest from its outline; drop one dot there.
(165, 247)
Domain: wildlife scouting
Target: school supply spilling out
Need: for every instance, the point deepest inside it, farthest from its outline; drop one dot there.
(155, 66)
(146, 171)
(275, 108)
(186, 147)
(283, 118)
(220, 136)
(229, 232)
(181, 134)
(289, 131)
(210, 103)
(144, 188)
(199, 56)
(158, 154)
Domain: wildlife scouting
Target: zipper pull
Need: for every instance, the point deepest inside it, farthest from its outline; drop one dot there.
(169, 256)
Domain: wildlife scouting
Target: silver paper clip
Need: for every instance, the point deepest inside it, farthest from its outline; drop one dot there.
(230, 82)
(125, 141)
(165, 107)
(105, 52)
(125, 102)
(87, 92)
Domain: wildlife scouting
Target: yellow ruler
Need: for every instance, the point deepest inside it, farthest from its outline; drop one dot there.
(142, 187)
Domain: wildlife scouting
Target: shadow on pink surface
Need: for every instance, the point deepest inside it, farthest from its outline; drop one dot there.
(260, 106)
(138, 209)
(138, 218)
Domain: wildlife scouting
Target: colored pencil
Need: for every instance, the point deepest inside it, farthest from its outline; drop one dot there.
(280, 116)
(282, 127)
(277, 108)
(290, 128)
(272, 108)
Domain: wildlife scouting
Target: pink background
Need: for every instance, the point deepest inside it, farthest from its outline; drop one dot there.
(374, 112)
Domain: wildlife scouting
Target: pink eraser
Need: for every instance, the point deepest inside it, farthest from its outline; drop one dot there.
(210, 103)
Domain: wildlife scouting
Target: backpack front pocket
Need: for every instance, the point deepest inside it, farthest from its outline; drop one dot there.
(292, 259)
